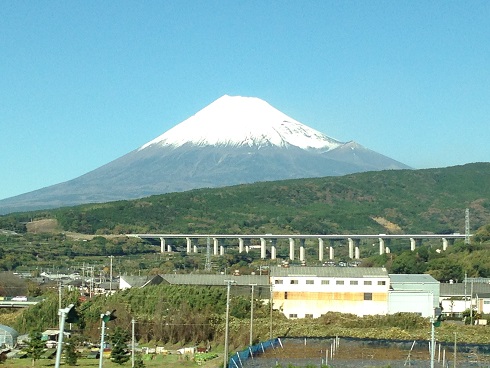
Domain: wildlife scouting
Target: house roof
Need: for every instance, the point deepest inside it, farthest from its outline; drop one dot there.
(415, 278)
(219, 280)
(458, 289)
(357, 272)
(108, 285)
(140, 281)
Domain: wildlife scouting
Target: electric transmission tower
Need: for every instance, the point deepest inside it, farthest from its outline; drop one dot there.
(467, 226)
(207, 267)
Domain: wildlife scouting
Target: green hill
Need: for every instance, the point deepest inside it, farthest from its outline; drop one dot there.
(398, 201)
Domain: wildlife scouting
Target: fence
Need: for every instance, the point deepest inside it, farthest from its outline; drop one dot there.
(241, 357)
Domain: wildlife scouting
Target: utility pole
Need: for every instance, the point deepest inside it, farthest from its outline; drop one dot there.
(228, 282)
(251, 314)
(110, 276)
(132, 342)
(59, 294)
(454, 350)
(432, 342)
(271, 301)
(471, 303)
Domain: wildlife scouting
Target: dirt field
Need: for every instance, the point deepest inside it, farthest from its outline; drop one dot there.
(368, 353)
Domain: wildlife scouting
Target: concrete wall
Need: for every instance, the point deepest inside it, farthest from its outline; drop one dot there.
(420, 302)
(303, 296)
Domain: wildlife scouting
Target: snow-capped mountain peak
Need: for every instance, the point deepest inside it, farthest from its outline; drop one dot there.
(243, 121)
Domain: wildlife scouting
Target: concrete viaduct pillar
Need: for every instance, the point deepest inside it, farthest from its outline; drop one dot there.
(189, 245)
(357, 253)
(302, 250)
(215, 246)
(381, 246)
(351, 248)
(273, 249)
(262, 248)
(291, 249)
(240, 245)
(444, 243)
(331, 250)
(162, 245)
(221, 250)
(320, 249)
(412, 244)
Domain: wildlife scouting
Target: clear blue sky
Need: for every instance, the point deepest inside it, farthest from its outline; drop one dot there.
(85, 82)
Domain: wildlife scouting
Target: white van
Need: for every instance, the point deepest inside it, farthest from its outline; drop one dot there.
(19, 299)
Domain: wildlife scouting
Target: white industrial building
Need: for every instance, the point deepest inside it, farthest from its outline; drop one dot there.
(418, 293)
(302, 292)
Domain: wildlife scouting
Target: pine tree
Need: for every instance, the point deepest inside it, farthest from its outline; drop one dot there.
(119, 352)
(35, 346)
(71, 355)
(138, 361)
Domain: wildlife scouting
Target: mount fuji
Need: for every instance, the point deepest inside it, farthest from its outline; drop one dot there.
(234, 140)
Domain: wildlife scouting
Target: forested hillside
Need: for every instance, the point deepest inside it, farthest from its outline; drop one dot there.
(408, 201)
(401, 201)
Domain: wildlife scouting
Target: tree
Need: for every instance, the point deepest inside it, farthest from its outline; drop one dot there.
(35, 346)
(119, 339)
(138, 361)
(71, 355)
(407, 262)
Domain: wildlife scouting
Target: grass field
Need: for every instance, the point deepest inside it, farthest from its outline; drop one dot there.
(170, 361)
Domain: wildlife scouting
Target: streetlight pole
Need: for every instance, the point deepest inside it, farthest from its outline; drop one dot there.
(104, 317)
(251, 314)
(102, 332)
(228, 282)
(62, 313)
(65, 313)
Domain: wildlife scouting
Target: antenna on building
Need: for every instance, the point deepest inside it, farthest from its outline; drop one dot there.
(207, 267)
(467, 227)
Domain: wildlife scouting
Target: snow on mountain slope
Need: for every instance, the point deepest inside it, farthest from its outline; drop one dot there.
(243, 121)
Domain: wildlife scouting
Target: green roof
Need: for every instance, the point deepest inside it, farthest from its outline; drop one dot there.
(304, 271)
(413, 278)
(218, 280)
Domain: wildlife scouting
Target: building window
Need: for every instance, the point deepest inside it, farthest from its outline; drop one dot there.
(325, 282)
(294, 282)
(278, 281)
(368, 282)
(293, 315)
(339, 282)
(354, 282)
(381, 282)
(310, 282)
(368, 296)
(308, 315)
